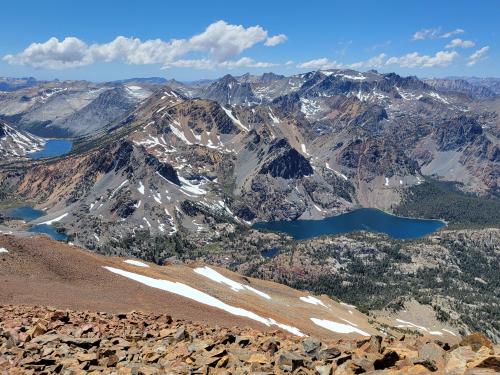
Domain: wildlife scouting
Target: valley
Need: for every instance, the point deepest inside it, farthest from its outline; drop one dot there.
(372, 195)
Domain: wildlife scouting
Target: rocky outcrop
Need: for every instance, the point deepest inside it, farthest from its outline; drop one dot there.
(285, 162)
(165, 170)
(376, 157)
(457, 132)
(37, 339)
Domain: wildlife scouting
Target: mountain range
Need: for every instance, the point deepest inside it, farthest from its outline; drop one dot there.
(171, 171)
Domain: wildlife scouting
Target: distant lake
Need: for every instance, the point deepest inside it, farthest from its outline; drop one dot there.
(53, 148)
(49, 230)
(25, 213)
(367, 219)
(28, 214)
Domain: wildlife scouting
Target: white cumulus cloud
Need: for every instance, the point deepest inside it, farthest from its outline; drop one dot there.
(321, 63)
(373, 62)
(415, 60)
(206, 64)
(53, 54)
(457, 42)
(275, 40)
(218, 43)
(479, 55)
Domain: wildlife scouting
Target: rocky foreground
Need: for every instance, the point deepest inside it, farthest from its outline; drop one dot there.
(46, 340)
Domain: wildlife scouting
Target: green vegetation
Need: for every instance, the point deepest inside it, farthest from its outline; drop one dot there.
(455, 272)
(151, 248)
(443, 200)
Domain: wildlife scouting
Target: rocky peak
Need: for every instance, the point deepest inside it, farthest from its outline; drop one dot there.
(228, 90)
(284, 161)
(270, 77)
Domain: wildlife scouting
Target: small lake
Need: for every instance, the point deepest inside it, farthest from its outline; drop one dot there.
(366, 219)
(53, 148)
(28, 214)
(49, 230)
(25, 213)
(270, 253)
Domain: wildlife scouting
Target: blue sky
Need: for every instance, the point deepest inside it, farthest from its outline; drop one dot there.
(189, 40)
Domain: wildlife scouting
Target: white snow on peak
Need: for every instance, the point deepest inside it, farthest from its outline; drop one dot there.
(435, 95)
(336, 172)
(309, 107)
(15, 143)
(221, 279)
(136, 263)
(141, 188)
(201, 297)
(179, 134)
(407, 95)
(312, 300)
(3, 250)
(303, 147)
(338, 327)
(147, 222)
(348, 76)
(273, 117)
(234, 119)
(137, 92)
(59, 218)
(191, 188)
(118, 188)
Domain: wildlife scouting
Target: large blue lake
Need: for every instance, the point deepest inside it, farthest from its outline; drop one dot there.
(53, 148)
(367, 219)
(28, 214)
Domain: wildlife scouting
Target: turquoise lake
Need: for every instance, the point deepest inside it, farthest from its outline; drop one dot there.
(363, 219)
(53, 148)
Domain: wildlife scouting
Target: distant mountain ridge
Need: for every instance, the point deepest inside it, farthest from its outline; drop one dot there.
(277, 148)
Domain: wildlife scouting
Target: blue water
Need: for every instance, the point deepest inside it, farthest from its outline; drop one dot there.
(270, 253)
(367, 219)
(49, 230)
(28, 214)
(53, 148)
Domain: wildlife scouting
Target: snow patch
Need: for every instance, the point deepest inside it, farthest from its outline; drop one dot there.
(234, 119)
(338, 327)
(141, 188)
(59, 218)
(312, 300)
(136, 263)
(221, 279)
(3, 250)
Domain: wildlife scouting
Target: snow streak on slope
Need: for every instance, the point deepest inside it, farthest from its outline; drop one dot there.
(338, 327)
(234, 285)
(201, 297)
